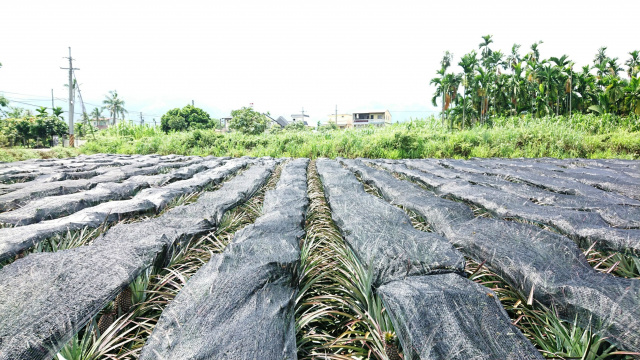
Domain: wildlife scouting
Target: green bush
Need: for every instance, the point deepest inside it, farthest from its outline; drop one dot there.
(187, 118)
(296, 126)
(248, 121)
(31, 131)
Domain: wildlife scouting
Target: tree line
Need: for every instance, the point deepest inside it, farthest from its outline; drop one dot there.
(493, 83)
(25, 129)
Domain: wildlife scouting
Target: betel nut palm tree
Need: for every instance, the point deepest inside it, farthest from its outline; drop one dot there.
(534, 85)
(468, 64)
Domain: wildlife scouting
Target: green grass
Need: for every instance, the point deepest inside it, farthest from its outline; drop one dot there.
(20, 153)
(584, 136)
(581, 136)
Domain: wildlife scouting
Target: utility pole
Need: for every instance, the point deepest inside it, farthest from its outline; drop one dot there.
(141, 119)
(70, 68)
(336, 114)
(52, 106)
(192, 104)
(154, 122)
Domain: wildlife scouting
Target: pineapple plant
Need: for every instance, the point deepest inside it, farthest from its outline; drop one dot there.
(105, 321)
(391, 346)
(123, 301)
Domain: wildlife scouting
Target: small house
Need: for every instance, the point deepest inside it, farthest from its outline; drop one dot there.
(300, 118)
(343, 121)
(374, 118)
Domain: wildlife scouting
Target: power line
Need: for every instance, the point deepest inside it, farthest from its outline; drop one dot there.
(24, 103)
(37, 97)
(34, 99)
(21, 101)
(15, 93)
(34, 105)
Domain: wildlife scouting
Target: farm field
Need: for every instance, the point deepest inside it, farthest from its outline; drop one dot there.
(180, 257)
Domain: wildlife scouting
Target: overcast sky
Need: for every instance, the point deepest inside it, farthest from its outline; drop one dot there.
(282, 55)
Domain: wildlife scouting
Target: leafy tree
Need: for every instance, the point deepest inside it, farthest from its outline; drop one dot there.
(196, 118)
(177, 123)
(45, 127)
(468, 64)
(57, 112)
(96, 113)
(484, 45)
(633, 64)
(187, 118)
(514, 58)
(115, 105)
(601, 56)
(615, 93)
(248, 121)
(549, 85)
(613, 67)
(534, 56)
(18, 112)
(42, 112)
(23, 130)
(80, 129)
(442, 87)
(632, 97)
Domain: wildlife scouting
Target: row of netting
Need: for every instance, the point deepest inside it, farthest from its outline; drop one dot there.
(538, 266)
(49, 297)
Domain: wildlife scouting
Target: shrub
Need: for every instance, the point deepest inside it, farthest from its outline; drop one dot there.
(187, 118)
(248, 121)
(296, 126)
